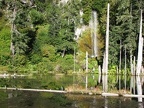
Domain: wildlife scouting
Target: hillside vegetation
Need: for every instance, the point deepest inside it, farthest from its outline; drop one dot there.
(39, 35)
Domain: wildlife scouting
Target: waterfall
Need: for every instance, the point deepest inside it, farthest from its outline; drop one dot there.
(93, 26)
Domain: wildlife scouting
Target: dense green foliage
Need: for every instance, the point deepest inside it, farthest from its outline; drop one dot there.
(39, 35)
(124, 30)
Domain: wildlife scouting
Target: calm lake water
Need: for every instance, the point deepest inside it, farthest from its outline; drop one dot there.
(30, 99)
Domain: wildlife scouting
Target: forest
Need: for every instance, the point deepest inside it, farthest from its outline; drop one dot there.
(54, 35)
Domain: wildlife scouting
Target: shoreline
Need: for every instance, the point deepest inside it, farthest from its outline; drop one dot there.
(86, 92)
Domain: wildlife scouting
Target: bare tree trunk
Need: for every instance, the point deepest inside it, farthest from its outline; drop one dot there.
(99, 79)
(86, 62)
(117, 70)
(139, 61)
(99, 69)
(103, 66)
(120, 59)
(86, 70)
(120, 67)
(125, 69)
(86, 85)
(74, 60)
(13, 28)
(107, 42)
(63, 53)
(140, 49)
(131, 64)
(134, 66)
(125, 61)
(105, 83)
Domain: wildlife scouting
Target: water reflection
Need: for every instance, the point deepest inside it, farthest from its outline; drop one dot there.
(75, 104)
(51, 100)
(139, 88)
(95, 82)
(140, 105)
(133, 85)
(119, 82)
(106, 102)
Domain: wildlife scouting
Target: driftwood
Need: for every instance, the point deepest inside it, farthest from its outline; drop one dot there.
(122, 95)
(110, 94)
(133, 96)
(10, 75)
(36, 90)
(61, 91)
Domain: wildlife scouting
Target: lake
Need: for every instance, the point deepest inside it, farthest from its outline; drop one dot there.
(89, 82)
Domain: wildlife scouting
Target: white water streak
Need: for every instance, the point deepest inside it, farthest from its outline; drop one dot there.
(94, 27)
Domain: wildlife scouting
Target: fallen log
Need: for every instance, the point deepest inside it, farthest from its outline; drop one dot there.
(110, 94)
(133, 96)
(37, 90)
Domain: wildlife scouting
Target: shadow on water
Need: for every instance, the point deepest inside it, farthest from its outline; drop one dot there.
(107, 83)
